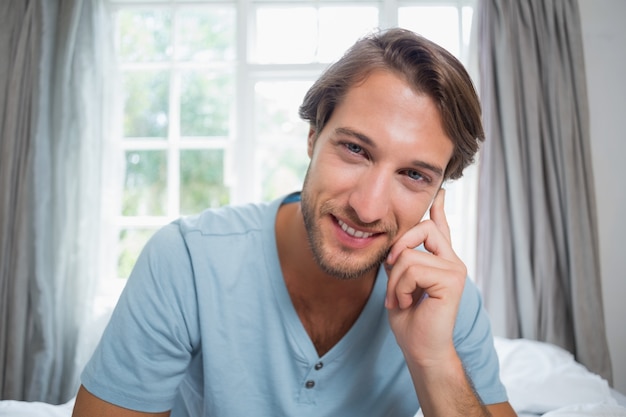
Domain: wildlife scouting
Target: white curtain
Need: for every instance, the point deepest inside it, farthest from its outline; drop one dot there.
(69, 87)
(538, 260)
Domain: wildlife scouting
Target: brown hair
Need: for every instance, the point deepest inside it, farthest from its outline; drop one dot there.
(429, 68)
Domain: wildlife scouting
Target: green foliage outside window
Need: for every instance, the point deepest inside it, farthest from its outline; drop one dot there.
(206, 34)
(202, 180)
(131, 242)
(144, 35)
(146, 104)
(206, 104)
(145, 184)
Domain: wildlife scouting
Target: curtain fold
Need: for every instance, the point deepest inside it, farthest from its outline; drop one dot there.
(52, 198)
(537, 252)
(20, 45)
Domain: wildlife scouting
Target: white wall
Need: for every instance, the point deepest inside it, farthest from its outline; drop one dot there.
(604, 38)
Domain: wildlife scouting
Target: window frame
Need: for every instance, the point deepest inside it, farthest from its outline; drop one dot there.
(242, 140)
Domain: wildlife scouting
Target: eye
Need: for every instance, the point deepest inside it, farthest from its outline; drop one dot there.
(354, 148)
(416, 175)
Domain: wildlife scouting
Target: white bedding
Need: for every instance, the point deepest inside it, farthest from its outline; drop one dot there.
(541, 379)
(35, 409)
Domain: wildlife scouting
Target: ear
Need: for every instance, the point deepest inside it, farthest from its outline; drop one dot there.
(311, 141)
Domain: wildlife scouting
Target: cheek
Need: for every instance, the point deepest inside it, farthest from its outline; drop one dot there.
(329, 174)
(416, 210)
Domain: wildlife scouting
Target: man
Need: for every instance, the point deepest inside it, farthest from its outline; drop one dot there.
(319, 304)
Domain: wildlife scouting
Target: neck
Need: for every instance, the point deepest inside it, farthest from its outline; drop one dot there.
(327, 306)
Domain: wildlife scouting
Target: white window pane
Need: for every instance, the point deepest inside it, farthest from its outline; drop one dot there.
(202, 180)
(206, 103)
(281, 137)
(144, 35)
(146, 100)
(145, 183)
(285, 35)
(340, 27)
(467, 16)
(206, 34)
(438, 23)
(276, 109)
(131, 242)
(283, 170)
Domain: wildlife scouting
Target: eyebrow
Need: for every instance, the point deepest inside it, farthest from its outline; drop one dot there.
(360, 136)
(369, 142)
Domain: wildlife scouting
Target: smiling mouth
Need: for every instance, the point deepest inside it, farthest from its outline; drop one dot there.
(359, 234)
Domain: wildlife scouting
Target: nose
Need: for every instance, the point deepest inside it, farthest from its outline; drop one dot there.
(370, 197)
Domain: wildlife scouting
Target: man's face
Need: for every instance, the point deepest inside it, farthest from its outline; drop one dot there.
(375, 169)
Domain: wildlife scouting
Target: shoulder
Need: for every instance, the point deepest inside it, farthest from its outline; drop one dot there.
(215, 242)
(226, 220)
(176, 240)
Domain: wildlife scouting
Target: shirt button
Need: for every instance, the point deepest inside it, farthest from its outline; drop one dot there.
(309, 384)
(319, 366)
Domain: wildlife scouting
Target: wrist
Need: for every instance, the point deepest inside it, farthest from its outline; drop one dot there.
(434, 359)
(443, 388)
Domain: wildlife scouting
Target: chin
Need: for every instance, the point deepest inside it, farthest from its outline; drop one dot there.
(348, 268)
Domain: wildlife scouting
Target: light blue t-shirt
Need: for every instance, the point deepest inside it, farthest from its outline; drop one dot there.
(206, 327)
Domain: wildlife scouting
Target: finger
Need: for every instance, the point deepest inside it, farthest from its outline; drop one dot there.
(438, 214)
(399, 268)
(416, 283)
(426, 232)
(410, 256)
(415, 271)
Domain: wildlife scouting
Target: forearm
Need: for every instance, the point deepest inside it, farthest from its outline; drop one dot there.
(446, 390)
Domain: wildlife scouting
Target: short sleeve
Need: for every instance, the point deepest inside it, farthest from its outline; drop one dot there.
(474, 344)
(153, 332)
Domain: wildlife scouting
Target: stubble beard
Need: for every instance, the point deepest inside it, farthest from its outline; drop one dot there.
(340, 265)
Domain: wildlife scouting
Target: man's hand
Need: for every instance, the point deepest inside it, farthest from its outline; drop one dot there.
(423, 297)
(424, 289)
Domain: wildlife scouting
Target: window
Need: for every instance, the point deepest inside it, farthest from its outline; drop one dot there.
(210, 92)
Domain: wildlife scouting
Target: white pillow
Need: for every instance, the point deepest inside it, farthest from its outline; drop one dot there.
(588, 410)
(35, 409)
(541, 377)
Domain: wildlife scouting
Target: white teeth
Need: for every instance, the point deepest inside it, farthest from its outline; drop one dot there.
(352, 232)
